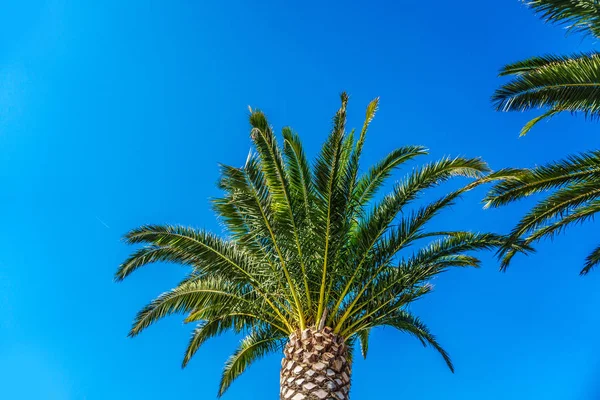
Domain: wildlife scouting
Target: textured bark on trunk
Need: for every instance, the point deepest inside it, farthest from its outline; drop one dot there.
(315, 367)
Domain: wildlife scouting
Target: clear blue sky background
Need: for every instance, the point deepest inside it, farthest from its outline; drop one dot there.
(115, 114)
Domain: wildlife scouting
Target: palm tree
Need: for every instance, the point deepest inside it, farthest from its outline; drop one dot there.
(556, 83)
(310, 264)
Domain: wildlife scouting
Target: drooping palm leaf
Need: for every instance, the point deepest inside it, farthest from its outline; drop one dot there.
(256, 345)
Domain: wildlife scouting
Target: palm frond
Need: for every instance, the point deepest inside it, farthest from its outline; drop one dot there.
(368, 184)
(573, 204)
(576, 198)
(533, 122)
(532, 64)
(591, 261)
(328, 170)
(253, 347)
(560, 84)
(218, 256)
(299, 173)
(277, 178)
(151, 254)
(561, 203)
(521, 183)
(277, 233)
(406, 322)
(577, 15)
(350, 179)
(193, 295)
(363, 337)
(577, 215)
(206, 330)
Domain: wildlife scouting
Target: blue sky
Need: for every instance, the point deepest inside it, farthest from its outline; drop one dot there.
(114, 114)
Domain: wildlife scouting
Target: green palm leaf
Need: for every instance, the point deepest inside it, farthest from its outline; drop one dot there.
(253, 347)
(591, 261)
(406, 322)
(558, 83)
(575, 198)
(577, 15)
(363, 337)
(368, 184)
(518, 184)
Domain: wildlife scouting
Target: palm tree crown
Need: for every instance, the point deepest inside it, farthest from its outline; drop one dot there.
(556, 83)
(309, 246)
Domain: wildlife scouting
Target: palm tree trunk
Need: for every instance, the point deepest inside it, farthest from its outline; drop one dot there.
(315, 367)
